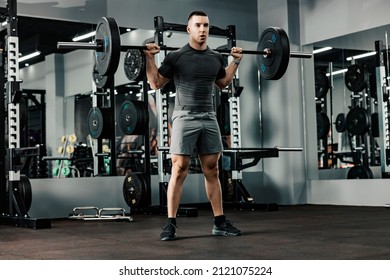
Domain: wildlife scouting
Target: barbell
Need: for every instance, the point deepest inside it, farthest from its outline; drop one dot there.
(273, 49)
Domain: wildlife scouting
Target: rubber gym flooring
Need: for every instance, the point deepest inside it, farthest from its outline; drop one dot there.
(305, 232)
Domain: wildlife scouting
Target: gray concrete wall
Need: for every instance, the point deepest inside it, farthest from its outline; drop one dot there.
(322, 20)
(140, 14)
(282, 110)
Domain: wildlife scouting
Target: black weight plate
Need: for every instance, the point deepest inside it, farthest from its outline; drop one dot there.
(360, 172)
(134, 65)
(356, 78)
(100, 80)
(134, 190)
(133, 117)
(273, 66)
(321, 83)
(95, 123)
(340, 123)
(24, 190)
(107, 60)
(100, 123)
(358, 121)
(323, 125)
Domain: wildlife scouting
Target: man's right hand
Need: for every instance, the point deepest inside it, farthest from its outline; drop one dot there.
(151, 49)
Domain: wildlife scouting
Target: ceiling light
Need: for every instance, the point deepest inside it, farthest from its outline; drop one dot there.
(361, 55)
(337, 72)
(84, 36)
(28, 56)
(322, 50)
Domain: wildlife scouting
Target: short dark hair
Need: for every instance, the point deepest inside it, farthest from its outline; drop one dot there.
(197, 13)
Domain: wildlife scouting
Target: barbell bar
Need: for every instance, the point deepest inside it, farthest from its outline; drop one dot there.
(273, 49)
(98, 46)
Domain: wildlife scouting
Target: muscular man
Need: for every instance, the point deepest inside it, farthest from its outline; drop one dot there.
(195, 69)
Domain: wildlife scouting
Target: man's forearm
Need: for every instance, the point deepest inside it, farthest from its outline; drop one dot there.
(152, 72)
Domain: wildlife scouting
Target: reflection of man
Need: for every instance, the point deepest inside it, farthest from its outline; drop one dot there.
(126, 162)
(195, 69)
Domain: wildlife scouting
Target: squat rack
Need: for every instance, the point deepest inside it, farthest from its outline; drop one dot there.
(16, 197)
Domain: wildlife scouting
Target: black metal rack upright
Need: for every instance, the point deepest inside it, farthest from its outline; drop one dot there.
(15, 187)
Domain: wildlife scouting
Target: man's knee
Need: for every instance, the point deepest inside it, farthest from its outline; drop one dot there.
(179, 170)
(211, 171)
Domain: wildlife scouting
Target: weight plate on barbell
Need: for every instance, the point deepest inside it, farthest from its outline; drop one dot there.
(323, 125)
(107, 60)
(134, 190)
(100, 123)
(273, 66)
(358, 121)
(134, 65)
(321, 83)
(340, 123)
(100, 80)
(133, 117)
(356, 78)
(360, 172)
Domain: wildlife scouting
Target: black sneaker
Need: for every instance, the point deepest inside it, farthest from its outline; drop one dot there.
(226, 229)
(168, 233)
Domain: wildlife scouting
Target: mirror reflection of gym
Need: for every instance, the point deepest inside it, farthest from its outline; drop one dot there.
(348, 107)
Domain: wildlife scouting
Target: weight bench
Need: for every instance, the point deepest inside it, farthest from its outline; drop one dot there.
(237, 155)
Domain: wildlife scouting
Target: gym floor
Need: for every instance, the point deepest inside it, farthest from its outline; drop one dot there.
(307, 232)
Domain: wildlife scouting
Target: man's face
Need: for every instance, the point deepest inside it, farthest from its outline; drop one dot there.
(198, 28)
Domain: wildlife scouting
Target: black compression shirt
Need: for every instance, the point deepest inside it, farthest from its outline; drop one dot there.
(194, 73)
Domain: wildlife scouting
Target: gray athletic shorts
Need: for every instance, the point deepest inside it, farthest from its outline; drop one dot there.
(195, 132)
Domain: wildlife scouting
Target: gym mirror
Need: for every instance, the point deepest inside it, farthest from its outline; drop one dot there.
(347, 105)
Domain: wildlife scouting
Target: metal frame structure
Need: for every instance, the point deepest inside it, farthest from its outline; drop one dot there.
(383, 91)
(13, 208)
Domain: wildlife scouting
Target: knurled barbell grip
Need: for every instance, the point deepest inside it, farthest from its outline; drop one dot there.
(79, 46)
